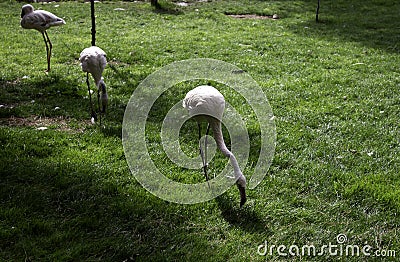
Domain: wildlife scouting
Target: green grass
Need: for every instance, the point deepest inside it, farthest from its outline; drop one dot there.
(66, 193)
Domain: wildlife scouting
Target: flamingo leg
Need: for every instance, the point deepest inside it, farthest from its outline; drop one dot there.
(205, 147)
(44, 34)
(51, 47)
(203, 158)
(92, 113)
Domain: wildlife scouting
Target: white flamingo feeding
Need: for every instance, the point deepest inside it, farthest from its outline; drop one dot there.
(93, 60)
(205, 103)
(40, 20)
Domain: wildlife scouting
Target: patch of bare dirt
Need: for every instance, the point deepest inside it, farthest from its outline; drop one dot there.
(42, 123)
(250, 16)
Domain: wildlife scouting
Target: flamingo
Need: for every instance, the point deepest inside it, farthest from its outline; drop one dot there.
(93, 60)
(40, 20)
(205, 103)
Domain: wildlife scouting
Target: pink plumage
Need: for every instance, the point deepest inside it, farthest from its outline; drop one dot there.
(40, 20)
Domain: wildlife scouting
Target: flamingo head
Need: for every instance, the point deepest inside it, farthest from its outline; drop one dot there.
(26, 9)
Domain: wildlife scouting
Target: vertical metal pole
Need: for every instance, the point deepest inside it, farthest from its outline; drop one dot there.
(93, 23)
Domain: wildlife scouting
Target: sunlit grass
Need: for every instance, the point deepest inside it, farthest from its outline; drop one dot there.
(66, 193)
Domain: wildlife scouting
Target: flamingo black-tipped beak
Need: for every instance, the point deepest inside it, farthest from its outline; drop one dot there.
(243, 197)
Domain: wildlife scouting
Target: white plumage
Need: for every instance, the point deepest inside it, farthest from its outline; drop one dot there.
(205, 100)
(93, 60)
(40, 20)
(205, 103)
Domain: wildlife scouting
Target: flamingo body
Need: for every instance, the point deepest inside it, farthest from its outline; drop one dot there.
(93, 61)
(205, 103)
(40, 20)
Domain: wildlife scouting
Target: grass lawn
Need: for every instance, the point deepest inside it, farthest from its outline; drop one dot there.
(67, 194)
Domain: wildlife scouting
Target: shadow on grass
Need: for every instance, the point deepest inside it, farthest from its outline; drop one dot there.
(67, 211)
(164, 7)
(244, 217)
(374, 24)
(51, 96)
(56, 96)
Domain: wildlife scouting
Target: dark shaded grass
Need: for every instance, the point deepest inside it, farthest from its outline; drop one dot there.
(333, 87)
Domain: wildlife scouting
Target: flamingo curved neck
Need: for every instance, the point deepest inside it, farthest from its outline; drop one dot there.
(219, 139)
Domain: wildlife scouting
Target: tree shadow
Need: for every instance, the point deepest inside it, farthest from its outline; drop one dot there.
(374, 24)
(64, 210)
(47, 96)
(55, 96)
(169, 8)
